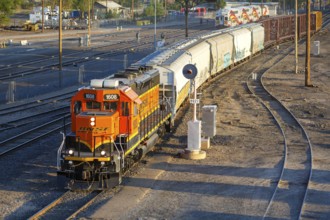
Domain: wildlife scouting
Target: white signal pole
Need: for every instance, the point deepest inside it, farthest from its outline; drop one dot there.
(193, 150)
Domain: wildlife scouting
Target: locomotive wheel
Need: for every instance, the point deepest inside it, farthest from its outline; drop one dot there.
(168, 126)
(161, 130)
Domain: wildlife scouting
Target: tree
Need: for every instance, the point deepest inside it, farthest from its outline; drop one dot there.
(150, 10)
(82, 5)
(187, 4)
(220, 4)
(68, 4)
(6, 9)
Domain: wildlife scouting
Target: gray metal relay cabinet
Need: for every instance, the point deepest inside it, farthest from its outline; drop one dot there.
(209, 121)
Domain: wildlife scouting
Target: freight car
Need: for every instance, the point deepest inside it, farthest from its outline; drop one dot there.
(281, 28)
(116, 120)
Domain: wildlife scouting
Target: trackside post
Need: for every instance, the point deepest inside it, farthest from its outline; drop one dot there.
(193, 150)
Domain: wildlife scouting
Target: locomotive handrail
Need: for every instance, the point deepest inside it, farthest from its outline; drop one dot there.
(122, 150)
(120, 153)
(59, 152)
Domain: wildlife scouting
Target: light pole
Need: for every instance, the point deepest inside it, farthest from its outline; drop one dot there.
(296, 36)
(60, 35)
(89, 24)
(155, 27)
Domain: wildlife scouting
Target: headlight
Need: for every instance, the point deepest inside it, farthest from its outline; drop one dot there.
(103, 153)
(71, 152)
(92, 121)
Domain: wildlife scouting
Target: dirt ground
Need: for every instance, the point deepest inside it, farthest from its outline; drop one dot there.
(238, 176)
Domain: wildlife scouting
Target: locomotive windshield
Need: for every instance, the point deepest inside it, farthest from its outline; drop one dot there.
(93, 105)
(110, 106)
(105, 106)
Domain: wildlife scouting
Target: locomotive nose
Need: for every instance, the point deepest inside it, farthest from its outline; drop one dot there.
(97, 123)
(96, 129)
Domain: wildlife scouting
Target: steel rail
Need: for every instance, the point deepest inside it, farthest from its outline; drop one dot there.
(17, 138)
(36, 103)
(84, 206)
(57, 202)
(310, 146)
(31, 130)
(264, 96)
(48, 207)
(19, 122)
(284, 139)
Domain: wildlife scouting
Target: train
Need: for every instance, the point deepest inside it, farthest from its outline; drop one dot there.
(233, 16)
(116, 120)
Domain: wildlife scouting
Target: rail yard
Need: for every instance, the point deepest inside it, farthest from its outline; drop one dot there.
(269, 159)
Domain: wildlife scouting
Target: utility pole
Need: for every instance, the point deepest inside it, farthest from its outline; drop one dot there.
(296, 36)
(132, 9)
(155, 27)
(43, 15)
(93, 15)
(60, 34)
(308, 46)
(106, 5)
(186, 11)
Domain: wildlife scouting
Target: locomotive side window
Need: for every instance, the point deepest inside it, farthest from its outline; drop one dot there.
(77, 107)
(136, 110)
(124, 109)
(112, 106)
(93, 105)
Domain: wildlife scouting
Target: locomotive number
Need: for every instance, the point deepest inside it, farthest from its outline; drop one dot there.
(82, 129)
(89, 96)
(111, 97)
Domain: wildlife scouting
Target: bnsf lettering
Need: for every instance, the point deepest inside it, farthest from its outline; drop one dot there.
(89, 96)
(81, 129)
(110, 97)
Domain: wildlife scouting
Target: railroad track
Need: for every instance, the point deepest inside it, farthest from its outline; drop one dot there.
(10, 109)
(290, 192)
(34, 118)
(59, 208)
(28, 68)
(27, 137)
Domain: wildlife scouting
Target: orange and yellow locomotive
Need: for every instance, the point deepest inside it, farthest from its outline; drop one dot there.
(115, 121)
